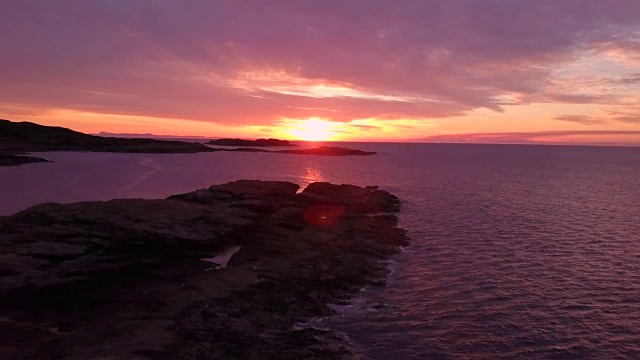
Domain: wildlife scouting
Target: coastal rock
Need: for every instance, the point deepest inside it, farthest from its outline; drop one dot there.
(365, 200)
(77, 241)
(243, 192)
(133, 278)
(258, 190)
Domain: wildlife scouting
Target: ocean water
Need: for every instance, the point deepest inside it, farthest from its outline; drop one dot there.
(516, 252)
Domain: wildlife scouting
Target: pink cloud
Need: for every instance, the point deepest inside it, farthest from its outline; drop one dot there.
(151, 57)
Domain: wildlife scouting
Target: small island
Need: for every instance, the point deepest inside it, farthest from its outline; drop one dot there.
(226, 272)
(328, 151)
(248, 143)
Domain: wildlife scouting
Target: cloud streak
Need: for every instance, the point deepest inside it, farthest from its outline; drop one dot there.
(536, 137)
(581, 119)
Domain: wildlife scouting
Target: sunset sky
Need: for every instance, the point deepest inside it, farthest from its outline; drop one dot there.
(545, 71)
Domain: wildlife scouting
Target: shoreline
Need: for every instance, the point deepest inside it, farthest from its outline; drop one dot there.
(126, 278)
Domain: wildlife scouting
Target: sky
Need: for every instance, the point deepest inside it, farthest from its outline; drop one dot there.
(510, 71)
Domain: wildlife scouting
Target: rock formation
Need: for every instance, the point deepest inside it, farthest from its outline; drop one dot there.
(124, 279)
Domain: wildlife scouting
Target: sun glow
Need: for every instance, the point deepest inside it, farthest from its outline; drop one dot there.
(313, 129)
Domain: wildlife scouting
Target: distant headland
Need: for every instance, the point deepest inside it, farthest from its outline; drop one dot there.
(17, 138)
(27, 136)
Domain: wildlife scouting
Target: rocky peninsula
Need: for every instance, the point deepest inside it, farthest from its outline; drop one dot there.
(147, 279)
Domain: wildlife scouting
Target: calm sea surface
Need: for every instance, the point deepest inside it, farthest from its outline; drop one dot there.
(517, 251)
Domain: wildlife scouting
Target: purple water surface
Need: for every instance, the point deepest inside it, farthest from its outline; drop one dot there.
(517, 251)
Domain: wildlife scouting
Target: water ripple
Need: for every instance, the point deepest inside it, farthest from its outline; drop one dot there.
(517, 262)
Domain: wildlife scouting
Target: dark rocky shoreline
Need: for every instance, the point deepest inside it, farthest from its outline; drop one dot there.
(124, 279)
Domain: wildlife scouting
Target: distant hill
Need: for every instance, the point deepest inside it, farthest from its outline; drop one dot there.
(27, 136)
(258, 142)
(126, 135)
(154, 136)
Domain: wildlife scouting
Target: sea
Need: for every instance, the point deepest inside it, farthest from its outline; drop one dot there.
(517, 251)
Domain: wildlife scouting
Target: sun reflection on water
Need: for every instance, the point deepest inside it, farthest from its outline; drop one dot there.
(311, 174)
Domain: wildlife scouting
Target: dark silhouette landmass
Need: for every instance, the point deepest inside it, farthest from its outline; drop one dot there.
(128, 279)
(328, 151)
(14, 160)
(245, 143)
(21, 137)
(27, 136)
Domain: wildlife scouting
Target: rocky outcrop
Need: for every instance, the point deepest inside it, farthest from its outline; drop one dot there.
(259, 196)
(14, 160)
(257, 142)
(125, 279)
(365, 200)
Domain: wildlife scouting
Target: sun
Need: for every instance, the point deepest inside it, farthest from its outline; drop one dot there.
(313, 129)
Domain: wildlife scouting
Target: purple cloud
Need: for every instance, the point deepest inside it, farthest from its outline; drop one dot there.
(183, 59)
(633, 79)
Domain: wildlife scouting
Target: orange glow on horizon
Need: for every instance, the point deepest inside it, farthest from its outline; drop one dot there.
(482, 126)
